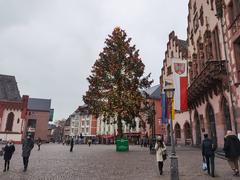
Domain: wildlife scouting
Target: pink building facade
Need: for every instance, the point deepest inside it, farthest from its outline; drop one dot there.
(212, 91)
(176, 49)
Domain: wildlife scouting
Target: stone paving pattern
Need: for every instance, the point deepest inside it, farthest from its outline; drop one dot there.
(101, 162)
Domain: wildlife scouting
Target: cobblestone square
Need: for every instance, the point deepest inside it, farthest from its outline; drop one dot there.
(102, 162)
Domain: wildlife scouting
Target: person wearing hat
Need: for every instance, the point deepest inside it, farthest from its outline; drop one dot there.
(232, 151)
(27, 147)
(160, 150)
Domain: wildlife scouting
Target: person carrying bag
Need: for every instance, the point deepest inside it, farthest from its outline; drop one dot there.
(161, 154)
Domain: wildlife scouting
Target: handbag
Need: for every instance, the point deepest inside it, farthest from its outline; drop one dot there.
(204, 166)
(164, 155)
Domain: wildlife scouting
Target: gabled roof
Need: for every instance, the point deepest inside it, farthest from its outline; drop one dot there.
(154, 92)
(9, 89)
(39, 104)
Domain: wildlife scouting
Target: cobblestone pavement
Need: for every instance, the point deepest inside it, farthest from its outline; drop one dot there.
(101, 162)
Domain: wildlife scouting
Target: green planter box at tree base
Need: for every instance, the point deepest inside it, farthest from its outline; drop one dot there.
(122, 145)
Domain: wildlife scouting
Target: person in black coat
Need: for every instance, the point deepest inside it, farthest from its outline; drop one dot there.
(39, 143)
(8, 152)
(232, 151)
(208, 149)
(27, 147)
(71, 145)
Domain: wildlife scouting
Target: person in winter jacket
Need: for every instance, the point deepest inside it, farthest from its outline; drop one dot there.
(208, 148)
(71, 144)
(27, 147)
(232, 151)
(39, 143)
(8, 152)
(160, 149)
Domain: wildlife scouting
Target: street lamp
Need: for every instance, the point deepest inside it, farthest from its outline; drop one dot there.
(174, 160)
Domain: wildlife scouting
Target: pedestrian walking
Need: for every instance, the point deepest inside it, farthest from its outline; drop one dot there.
(160, 150)
(208, 148)
(8, 152)
(39, 143)
(232, 151)
(27, 147)
(89, 142)
(71, 144)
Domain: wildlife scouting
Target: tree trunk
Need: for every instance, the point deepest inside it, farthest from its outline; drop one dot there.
(119, 124)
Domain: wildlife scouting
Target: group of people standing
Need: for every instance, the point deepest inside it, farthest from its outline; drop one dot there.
(231, 149)
(9, 149)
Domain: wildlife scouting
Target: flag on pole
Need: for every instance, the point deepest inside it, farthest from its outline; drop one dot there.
(164, 108)
(180, 81)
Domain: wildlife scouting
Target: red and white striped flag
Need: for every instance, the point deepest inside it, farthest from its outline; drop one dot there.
(180, 81)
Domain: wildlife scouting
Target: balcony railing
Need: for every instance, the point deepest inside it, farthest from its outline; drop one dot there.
(212, 79)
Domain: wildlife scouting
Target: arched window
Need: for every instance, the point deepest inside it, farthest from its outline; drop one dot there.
(177, 131)
(197, 128)
(9, 123)
(211, 123)
(226, 112)
(187, 131)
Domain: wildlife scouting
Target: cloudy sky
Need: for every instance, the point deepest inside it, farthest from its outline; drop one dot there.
(51, 45)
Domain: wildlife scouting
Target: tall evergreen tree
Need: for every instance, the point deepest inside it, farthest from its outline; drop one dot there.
(117, 82)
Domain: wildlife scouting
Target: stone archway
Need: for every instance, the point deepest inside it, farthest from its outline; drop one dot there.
(197, 128)
(187, 131)
(9, 123)
(226, 114)
(177, 130)
(211, 123)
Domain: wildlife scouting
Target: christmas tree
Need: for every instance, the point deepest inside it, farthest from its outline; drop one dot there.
(117, 82)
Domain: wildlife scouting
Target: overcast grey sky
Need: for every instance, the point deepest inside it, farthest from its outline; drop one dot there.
(51, 45)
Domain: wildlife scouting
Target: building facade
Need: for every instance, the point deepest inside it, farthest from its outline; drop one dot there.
(176, 49)
(232, 37)
(213, 88)
(38, 116)
(13, 110)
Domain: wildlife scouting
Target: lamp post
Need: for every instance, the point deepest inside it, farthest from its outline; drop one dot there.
(174, 160)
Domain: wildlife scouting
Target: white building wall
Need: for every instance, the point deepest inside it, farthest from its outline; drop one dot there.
(16, 125)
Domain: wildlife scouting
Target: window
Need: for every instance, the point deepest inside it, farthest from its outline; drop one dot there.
(83, 123)
(194, 7)
(208, 45)
(87, 123)
(201, 17)
(169, 70)
(187, 130)
(233, 10)
(212, 5)
(32, 123)
(83, 130)
(87, 130)
(177, 131)
(18, 120)
(195, 23)
(216, 44)
(236, 46)
(10, 119)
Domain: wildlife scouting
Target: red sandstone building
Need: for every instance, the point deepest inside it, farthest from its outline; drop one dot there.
(38, 117)
(19, 116)
(213, 74)
(154, 100)
(13, 110)
(213, 101)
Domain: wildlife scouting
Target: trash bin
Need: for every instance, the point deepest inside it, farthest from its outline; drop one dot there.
(122, 145)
